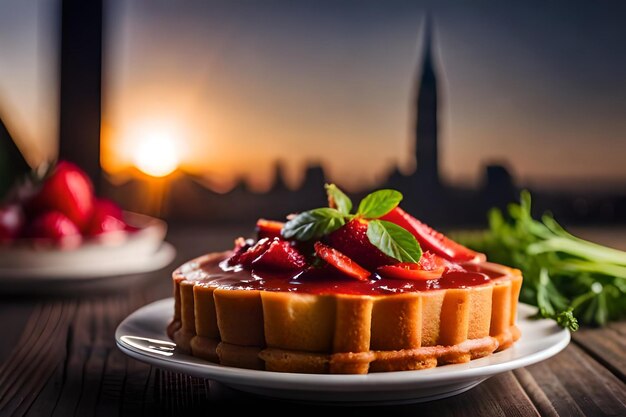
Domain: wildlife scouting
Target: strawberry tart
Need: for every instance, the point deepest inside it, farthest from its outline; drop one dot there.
(343, 290)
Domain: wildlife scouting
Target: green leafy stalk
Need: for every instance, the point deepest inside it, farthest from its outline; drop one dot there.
(564, 275)
(580, 248)
(563, 318)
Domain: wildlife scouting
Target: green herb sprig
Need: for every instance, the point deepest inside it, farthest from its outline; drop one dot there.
(389, 238)
(568, 278)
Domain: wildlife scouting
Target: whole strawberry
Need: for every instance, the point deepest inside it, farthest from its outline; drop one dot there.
(106, 217)
(69, 191)
(351, 240)
(52, 225)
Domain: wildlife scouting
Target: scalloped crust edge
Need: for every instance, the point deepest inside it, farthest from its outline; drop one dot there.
(189, 329)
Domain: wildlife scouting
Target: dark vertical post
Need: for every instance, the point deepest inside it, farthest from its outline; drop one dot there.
(81, 70)
(426, 127)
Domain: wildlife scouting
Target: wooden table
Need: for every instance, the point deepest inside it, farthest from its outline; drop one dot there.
(58, 357)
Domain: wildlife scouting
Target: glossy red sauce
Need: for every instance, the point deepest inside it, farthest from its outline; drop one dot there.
(329, 281)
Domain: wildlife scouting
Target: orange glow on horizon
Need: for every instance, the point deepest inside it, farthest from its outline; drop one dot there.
(154, 146)
(238, 111)
(156, 155)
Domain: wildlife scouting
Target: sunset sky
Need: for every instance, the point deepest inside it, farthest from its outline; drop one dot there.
(29, 75)
(238, 85)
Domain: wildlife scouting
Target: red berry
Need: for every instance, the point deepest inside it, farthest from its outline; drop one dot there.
(11, 222)
(106, 217)
(246, 258)
(341, 262)
(351, 240)
(268, 228)
(432, 240)
(241, 246)
(430, 266)
(280, 255)
(69, 191)
(52, 225)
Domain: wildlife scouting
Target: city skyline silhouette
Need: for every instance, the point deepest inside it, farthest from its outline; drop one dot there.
(426, 194)
(188, 197)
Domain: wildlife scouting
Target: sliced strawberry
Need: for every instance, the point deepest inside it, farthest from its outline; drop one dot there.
(429, 262)
(246, 258)
(106, 217)
(432, 240)
(430, 266)
(241, 246)
(351, 239)
(341, 262)
(68, 190)
(11, 222)
(408, 270)
(280, 255)
(52, 225)
(268, 228)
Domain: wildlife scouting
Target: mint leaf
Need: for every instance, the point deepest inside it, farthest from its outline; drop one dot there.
(394, 241)
(338, 200)
(379, 203)
(313, 224)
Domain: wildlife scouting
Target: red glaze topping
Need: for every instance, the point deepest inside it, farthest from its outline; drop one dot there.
(379, 249)
(327, 280)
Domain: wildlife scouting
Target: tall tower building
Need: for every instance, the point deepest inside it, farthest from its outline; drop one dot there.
(426, 125)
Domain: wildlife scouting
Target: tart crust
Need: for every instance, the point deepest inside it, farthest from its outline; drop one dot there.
(339, 333)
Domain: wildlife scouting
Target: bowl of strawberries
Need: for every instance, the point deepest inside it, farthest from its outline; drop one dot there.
(56, 227)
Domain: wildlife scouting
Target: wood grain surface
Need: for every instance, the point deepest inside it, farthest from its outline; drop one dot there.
(58, 358)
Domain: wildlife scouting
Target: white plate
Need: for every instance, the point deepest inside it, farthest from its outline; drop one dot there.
(115, 253)
(142, 336)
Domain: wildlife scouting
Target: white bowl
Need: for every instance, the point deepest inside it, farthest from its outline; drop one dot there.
(111, 253)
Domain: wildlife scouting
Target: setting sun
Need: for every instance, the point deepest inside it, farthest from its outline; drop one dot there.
(156, 155)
